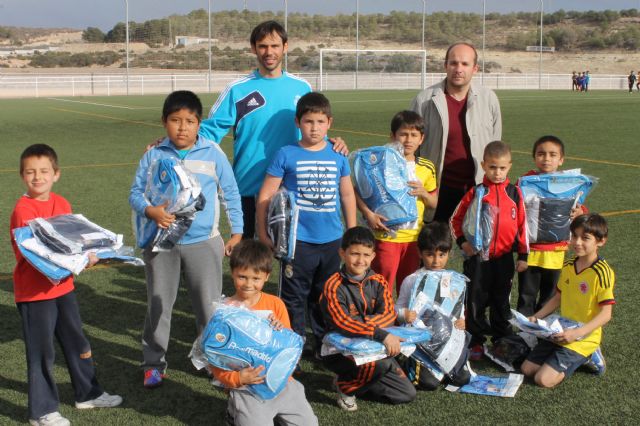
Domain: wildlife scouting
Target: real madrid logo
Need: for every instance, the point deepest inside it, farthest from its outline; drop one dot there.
(220, 337)
(373, 158)
(288, 271)
(163, 175)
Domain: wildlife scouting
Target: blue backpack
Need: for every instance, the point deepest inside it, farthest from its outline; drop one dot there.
(236, 338)
(380, 177)
(361, 346)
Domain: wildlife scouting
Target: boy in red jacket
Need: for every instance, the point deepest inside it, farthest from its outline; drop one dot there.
(491, 280)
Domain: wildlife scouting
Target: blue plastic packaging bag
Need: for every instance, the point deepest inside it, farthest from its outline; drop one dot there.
(380, 176)
(53, 272)
(168, 183)
(236, 338)
(361, 346)
(282, 224)
(478, 223)
(548, 200)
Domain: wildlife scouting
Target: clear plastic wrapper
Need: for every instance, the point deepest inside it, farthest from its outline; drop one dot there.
(380, 176)
(505, 387)
(351, 346)
(438, 300)
(548, 200)
(53, 272)
(171, 184)
(71, 233)
(282, 224)
(543, 328)
(479, 222)
(237, 337)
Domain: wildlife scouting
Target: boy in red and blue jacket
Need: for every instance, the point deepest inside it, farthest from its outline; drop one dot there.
(491, 280)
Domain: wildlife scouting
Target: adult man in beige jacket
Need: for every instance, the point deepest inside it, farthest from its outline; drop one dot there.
(460, 120)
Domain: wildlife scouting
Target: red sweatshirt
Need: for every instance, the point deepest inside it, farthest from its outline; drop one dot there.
(510, 228)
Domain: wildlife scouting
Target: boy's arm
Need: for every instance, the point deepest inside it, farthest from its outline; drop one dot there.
(384, 312)
(573, 334)
(230, 198)
(137, 200)
(374, 220)
(523, 238)
(402, 303)
(455, 223)
(221, 118)
(348, 201)
(269, 188)
(548, 308)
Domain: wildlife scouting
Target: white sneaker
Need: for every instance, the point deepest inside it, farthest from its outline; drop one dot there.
(346, 402)
(103, 401)
(51, 419)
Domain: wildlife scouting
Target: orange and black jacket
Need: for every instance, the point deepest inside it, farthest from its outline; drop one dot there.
(510, 227)
(358, 308)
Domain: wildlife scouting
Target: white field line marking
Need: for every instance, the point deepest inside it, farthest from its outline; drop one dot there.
(99, 104)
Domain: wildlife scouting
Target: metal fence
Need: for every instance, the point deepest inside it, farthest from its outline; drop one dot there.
(103, 84)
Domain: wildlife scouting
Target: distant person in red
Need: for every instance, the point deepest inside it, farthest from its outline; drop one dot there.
(461, 118)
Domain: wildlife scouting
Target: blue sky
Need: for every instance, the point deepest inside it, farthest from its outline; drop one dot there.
(105, 14)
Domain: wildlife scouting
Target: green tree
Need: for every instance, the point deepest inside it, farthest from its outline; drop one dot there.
(93, 35)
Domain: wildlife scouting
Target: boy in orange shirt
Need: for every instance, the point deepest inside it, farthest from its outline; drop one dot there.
(250, 268)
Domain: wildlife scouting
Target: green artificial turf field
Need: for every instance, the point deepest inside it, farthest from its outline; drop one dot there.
(99, 142)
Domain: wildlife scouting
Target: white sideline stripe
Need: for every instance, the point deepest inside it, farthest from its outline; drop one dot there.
(99, 104)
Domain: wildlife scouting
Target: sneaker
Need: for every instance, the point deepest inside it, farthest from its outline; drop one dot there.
(596, 363)
(476, 352)
(153, 378)
(103, 401)
(51, 419)
(346, 402)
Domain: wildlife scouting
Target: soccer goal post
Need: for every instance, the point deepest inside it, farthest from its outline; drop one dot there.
(387, 52)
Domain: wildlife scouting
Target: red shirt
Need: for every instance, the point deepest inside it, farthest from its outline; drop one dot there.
(29, 285)
(458, 169)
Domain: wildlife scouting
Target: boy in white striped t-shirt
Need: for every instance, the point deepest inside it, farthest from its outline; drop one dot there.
(319, 178)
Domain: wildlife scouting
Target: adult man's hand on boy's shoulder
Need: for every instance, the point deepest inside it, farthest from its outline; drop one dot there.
(339, 145)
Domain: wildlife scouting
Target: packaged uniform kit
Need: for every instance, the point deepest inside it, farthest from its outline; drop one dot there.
(282, 224)
(237, 337)
(549, 199)
(479, 223)
(380, 176)
(168, 182)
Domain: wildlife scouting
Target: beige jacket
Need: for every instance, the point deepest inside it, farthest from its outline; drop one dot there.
(483, 119)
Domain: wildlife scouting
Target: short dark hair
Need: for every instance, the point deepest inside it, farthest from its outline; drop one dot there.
(496, 149)
(265, 29)
(313, 102)
(407, 118)
(181, 99)
(358, 235)
(591, 223)
(39, 150)
(548, 138)
(435, 236)
(462, 43)
(251, 254)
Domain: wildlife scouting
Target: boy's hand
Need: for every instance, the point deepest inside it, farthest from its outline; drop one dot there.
(460, 324)
(576, 211)
(392, 344)
(233, 241)
(410, 316)
(533, 319)
(521, 266)
(159, 215)
(275, 322)
(417, 189)
(251, 376)
(567, 336)
(467, 248)
(339, 145)
(93, 259)
(376, 221)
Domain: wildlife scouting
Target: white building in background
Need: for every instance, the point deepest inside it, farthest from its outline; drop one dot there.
(191, 40)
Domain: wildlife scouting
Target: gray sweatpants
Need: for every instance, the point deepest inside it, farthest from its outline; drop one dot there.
(290, 407)
(201, 267)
